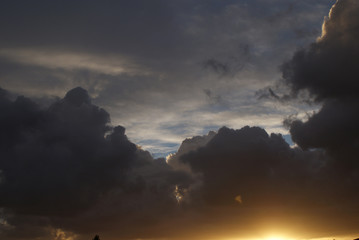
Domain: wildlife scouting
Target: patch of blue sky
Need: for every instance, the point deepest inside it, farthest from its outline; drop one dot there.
(158, 148)
(288, 139)
(149, 142)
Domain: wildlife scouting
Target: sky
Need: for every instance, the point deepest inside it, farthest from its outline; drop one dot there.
(166, 70)
(171, 120)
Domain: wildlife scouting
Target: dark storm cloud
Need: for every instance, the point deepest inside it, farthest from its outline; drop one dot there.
(328, 70)
(334, 125)
(65, 170)
(261, 168)
(65, 160)
(48, 152)
(253, 173)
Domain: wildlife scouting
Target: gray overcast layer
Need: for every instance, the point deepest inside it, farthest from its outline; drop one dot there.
(166, 70)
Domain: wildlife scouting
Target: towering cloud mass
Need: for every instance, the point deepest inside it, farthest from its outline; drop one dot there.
(256, 174)
(59, 166)
(65, 172)
(58, 155)
(328, 70)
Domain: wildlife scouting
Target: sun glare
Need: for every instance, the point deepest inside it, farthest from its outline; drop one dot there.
(275, 238)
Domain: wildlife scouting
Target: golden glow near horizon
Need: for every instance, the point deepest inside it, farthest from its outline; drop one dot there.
(265, 238)
(268, 237)
(282, 237)
(275, 238)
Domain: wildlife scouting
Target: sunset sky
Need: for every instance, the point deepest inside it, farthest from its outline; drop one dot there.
(179, 119)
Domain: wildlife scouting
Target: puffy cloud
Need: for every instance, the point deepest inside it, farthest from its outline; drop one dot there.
(247, 172)
(62, 165)
(66, 173)
(327, 67)
(47, 156)
(327, 70)
(250, 163)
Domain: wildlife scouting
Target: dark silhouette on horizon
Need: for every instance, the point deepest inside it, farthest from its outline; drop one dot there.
(97, 237)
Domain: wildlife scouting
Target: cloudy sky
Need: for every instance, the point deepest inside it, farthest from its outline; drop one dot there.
(166, 70)
(179, 119)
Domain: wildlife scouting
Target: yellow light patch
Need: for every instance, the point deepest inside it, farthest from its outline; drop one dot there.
(238, 199)
(275, 238)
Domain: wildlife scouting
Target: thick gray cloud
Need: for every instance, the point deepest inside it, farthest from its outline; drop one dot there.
(327, 67)
(256, 174)
(45, 146)
(62, 164)
(327, 70)
(66, 172)
(262, 169)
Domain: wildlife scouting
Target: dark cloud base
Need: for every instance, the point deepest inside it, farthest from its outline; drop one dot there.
(326, 69)
(65, 170)
(66, 163)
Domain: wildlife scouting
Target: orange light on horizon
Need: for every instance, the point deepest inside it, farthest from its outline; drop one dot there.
(275, 238)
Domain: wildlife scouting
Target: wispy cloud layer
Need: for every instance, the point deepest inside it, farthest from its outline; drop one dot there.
(108, 64)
